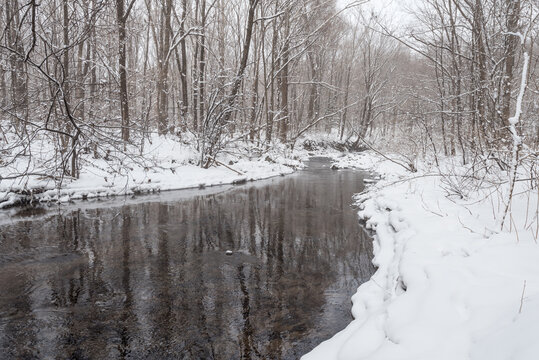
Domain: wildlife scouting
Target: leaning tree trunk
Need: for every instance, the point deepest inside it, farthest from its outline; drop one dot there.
(229, 106)
(243, 64)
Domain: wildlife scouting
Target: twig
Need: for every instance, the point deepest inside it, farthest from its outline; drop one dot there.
(408, 167)
(228, 167)
(466, 227)
(515, 225)
(522, 298)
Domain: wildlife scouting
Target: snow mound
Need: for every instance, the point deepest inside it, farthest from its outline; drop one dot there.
(448, 285)
(165, 163)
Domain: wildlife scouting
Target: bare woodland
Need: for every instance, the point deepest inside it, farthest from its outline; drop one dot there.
(94, 78)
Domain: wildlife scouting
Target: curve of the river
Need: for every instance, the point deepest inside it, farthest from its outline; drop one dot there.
(150, 278)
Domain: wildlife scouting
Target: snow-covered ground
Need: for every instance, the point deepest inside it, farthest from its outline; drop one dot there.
(166, 163)
(450, 284)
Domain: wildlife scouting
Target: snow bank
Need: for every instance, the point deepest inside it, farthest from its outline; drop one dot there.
(449, 285)
(165, 163)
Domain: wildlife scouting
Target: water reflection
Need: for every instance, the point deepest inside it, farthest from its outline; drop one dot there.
(151, 280)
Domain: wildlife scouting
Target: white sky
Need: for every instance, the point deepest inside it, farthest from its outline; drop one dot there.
(396, 10)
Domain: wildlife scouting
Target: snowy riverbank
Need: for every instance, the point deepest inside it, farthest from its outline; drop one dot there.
(449, 285)
(166, 163)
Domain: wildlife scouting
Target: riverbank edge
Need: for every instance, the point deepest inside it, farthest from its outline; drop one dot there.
(67, 194)
(172, 171)
(440, 268)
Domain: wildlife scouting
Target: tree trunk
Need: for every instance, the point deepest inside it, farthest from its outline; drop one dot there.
(162, 68)
(202, 62)
(283, 80)
(271, 116)
(511, 42)
(243, 64)
(194, 75)
(183, 70)
(121, 18)
(345, 103)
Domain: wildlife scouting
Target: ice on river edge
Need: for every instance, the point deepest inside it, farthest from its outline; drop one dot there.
(448, 285)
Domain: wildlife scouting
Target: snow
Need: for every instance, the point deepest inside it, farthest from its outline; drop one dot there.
(449, 284)
(167, 163)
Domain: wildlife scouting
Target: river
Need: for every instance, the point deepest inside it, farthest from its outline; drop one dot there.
(150, 278)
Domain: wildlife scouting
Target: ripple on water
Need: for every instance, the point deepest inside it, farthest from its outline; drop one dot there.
(151, 279)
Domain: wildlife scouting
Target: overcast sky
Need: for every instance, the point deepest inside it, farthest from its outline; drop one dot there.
(396, 10)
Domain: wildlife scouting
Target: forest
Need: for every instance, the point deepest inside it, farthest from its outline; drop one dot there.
(408, 132)
(98, 78)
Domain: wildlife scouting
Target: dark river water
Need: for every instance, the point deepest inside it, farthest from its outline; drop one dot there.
(149, 278)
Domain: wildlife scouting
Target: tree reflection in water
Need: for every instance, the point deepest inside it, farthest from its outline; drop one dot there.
(151, 280)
